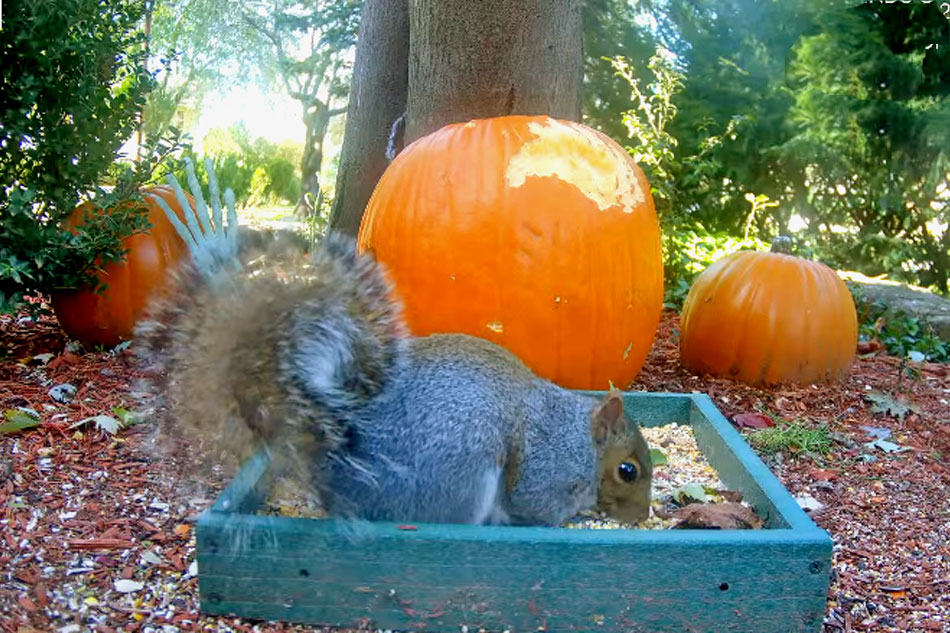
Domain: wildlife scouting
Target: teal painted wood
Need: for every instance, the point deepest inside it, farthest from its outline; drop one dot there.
(439, 577)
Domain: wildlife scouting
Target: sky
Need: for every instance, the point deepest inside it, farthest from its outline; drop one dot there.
(274, 116)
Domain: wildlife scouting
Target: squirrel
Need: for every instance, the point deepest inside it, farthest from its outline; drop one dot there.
(318, 367)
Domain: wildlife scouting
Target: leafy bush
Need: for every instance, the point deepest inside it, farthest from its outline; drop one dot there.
(689, 248)
(73, 79)
(274, 182)
(690, 251)
(837, 111)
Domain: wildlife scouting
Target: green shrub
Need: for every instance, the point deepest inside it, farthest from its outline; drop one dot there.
(692, 249)
(676, 183)
(901, 334)
(73, 79)
(260, 172)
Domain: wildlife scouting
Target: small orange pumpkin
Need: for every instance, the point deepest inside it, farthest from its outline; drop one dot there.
(109, 318)
(766, 318)
(534, 233)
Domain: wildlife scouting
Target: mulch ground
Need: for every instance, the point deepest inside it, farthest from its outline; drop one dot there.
(95, 534)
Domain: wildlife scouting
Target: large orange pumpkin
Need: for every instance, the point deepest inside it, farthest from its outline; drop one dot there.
(535, 233)
(765, 318)
(109, 318)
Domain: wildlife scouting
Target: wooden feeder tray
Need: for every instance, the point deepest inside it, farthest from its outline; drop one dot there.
(437, 577)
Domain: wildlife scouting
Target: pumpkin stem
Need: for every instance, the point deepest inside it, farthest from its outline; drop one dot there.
(782, 244)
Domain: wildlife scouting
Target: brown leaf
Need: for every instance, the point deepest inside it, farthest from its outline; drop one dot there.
(39, 592)
(819, 474)
(176, 560)
(752, 421)
(25, 576)
(182, 530)
(64, 360)
(735, 496)
(870, 347)
(717, 516)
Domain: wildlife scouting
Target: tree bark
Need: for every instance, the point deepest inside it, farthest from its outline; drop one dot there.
(316, 119)
(377, 99)
(483, 58)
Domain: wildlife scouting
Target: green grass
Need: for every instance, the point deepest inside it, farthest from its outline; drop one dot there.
(267, 214)
(794, 437)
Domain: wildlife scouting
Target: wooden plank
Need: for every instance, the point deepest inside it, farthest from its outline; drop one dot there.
(742, 469)
(654, 409)
(249, 487)
(519, 577)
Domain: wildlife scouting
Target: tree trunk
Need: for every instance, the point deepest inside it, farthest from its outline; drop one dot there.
(483, 58)
(377, 99)
(463, 59)
(316, 118)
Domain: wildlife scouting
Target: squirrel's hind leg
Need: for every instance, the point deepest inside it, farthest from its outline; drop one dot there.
(488, 508)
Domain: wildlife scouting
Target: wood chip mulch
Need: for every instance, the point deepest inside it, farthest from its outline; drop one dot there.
(95, 534)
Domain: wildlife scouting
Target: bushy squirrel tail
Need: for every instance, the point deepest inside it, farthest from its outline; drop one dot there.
(280, 358)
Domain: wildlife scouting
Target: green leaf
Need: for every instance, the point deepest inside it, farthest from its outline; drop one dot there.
(126, 417)
(690, 493)
(18, 420)
(657, 457)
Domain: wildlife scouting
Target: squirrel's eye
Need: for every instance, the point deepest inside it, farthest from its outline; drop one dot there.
(628, 472)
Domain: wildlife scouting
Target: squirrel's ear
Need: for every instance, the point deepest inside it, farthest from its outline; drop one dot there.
(608, 416)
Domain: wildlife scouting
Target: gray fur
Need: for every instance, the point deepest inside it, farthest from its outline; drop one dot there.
(440, 432)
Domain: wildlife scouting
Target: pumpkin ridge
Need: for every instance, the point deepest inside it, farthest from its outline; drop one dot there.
(809, 341)
(745, 305)
(776, 318)
(768, 332)
(448, 190)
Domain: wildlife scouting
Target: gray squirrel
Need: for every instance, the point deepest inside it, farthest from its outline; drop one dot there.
(317, 366)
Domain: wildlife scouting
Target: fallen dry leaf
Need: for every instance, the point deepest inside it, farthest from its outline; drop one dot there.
(734, 496)
(752, 421)
(183, 530)
(717, 516)
(64, 360)
(820, 474)
(870, 347)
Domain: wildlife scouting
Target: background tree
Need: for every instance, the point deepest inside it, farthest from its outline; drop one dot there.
(836, 111)
(308, 44)
(870, 117)
(377, 100)
(301, 48)
(192, 51)
(610, 31)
